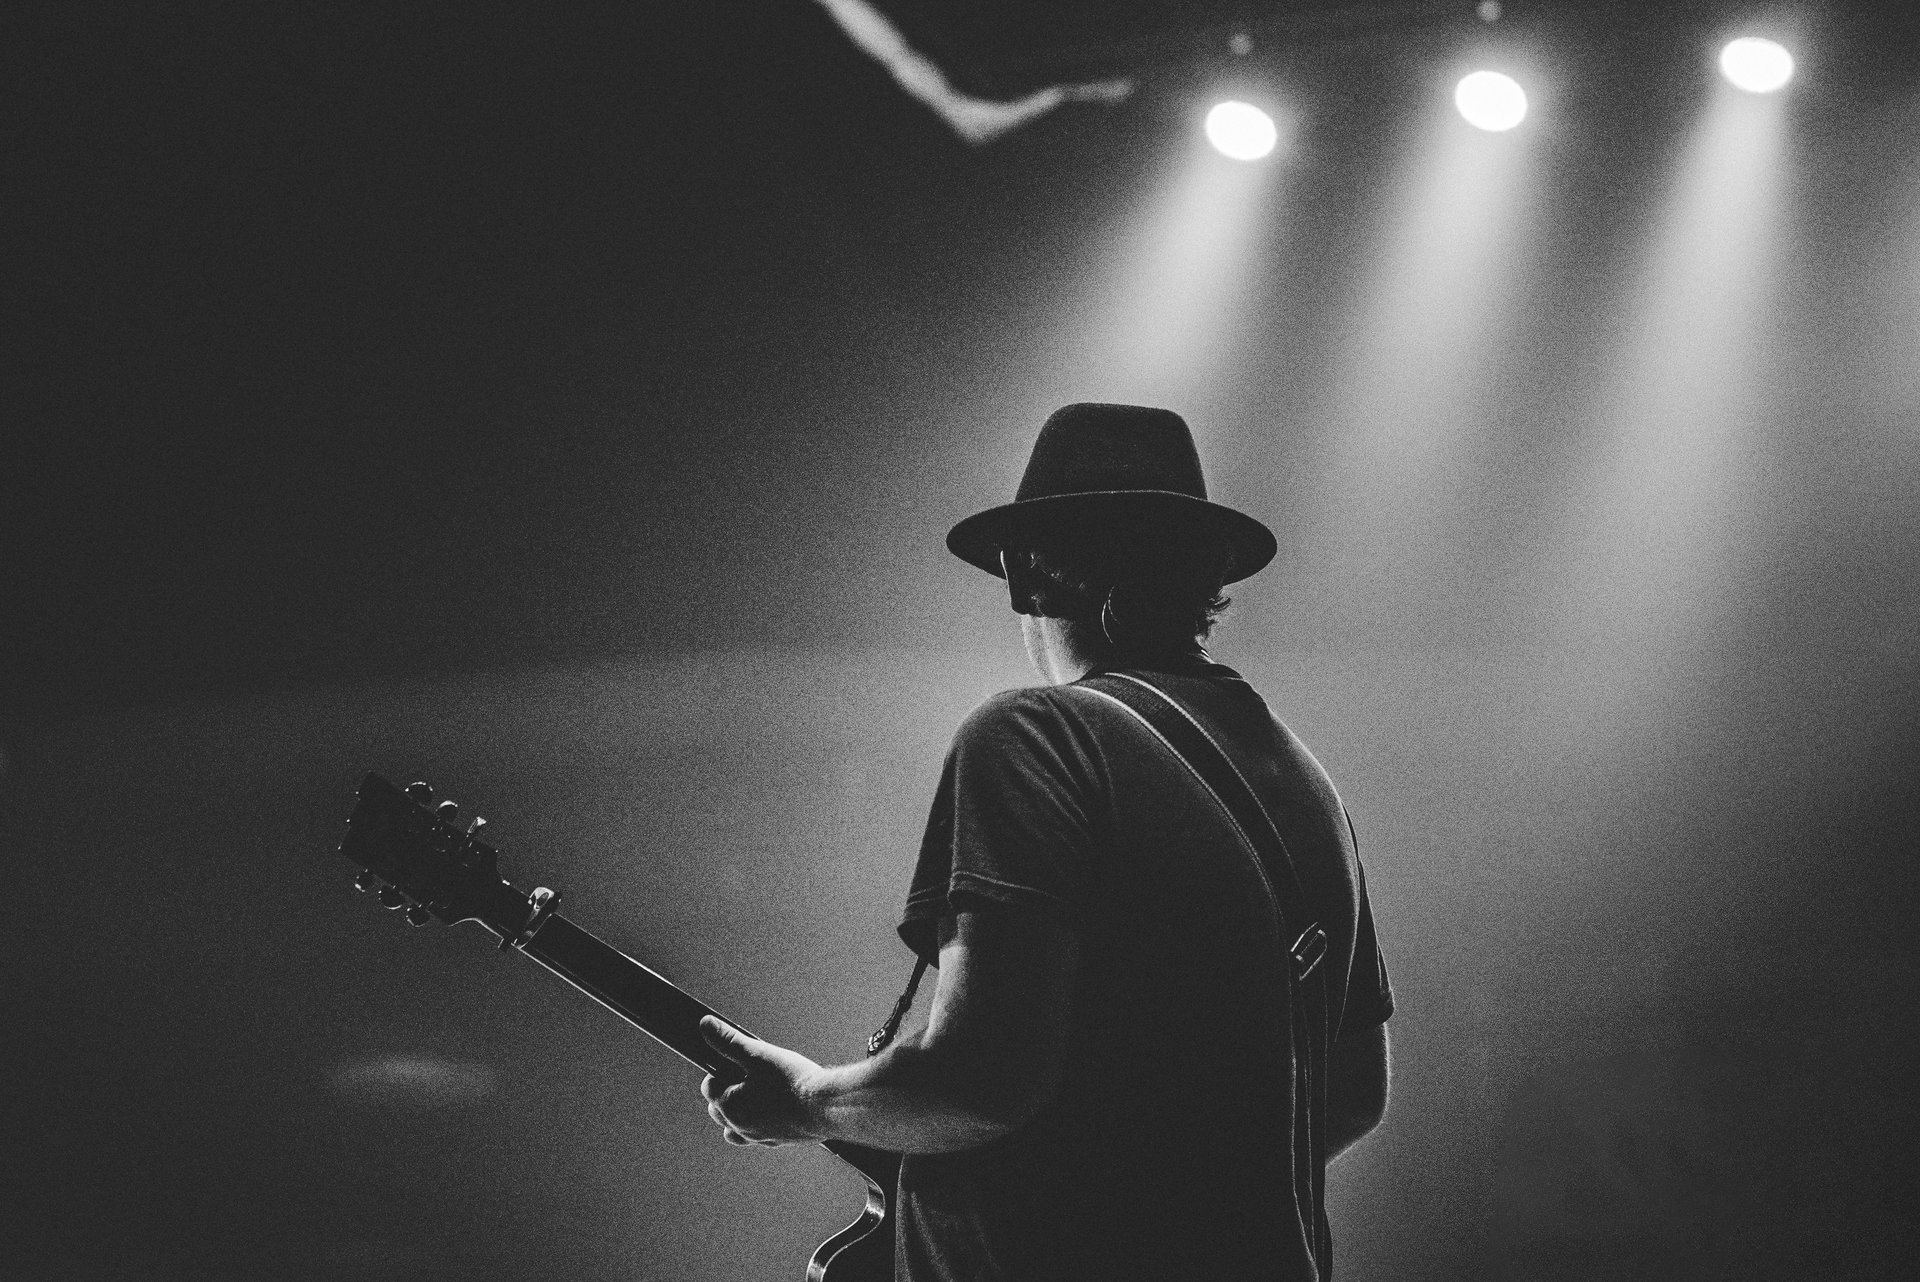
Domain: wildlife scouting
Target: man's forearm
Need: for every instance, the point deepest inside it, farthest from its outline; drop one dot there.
(988, 1059)
(911, 1098)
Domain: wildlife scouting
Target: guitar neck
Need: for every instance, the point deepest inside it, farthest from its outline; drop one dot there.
(643, 997)
(399, 837)
(653, 1004)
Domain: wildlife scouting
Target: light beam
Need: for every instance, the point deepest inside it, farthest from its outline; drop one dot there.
(1156, 324)
(1424, 344)
(1661, 520)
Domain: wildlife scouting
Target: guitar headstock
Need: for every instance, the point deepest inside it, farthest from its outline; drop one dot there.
(432, 865)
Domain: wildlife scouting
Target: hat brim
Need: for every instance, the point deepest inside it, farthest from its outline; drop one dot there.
(980, 538)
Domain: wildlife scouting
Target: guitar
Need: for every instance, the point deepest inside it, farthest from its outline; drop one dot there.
(435, 869)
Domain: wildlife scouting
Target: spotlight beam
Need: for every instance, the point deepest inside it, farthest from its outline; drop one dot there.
(1399, 430)
(1656, 543)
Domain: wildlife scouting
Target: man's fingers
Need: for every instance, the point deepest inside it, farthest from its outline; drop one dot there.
(762, 1093)
(729, 1041)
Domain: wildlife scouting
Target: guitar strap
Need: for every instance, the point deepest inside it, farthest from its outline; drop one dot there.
(1170, 722)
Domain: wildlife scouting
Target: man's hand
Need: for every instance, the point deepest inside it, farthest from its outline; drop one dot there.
(770, 1107)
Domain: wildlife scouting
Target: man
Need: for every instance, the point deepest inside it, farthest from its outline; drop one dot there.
(1117, 1077)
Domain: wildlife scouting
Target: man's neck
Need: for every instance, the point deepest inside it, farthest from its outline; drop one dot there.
(1056, 649)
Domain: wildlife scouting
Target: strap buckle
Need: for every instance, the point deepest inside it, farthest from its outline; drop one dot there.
(1308, 951)
(883, 1036)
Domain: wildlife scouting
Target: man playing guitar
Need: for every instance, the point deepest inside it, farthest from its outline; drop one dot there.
(1137, 1063)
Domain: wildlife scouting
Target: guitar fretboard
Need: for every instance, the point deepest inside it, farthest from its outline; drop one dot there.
(643, 997)
(653, 1004)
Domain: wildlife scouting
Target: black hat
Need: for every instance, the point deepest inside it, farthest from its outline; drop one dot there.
(1112, 470)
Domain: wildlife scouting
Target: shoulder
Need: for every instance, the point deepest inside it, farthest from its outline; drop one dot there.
(1026, 706)
(1050, 721)
(1068, 708)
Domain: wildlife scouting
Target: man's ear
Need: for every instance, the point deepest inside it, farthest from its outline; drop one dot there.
(1020, 584)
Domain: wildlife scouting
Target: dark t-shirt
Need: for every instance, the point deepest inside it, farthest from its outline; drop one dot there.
(1174, 1146)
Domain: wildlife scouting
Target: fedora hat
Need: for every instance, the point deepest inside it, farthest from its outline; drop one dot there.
(1112, 472)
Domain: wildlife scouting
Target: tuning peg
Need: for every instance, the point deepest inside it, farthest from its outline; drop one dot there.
(446, 812)
(365, 881)
(421, 793)
(418, 915)
(391, 898)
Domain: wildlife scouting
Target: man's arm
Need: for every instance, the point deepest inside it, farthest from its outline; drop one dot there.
(989, 1058)
(1357, 1071)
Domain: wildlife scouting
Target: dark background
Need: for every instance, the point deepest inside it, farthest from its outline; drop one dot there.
(567, 407)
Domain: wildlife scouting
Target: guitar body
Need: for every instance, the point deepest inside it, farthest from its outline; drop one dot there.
(436, 870)
(863, 1251)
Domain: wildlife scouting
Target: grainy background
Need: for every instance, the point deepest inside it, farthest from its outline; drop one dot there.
(568, 407)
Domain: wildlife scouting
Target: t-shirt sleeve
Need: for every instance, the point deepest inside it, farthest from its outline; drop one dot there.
(1369, 994)
(1010, 823)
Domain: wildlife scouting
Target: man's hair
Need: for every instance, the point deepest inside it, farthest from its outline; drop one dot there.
(1163, 595)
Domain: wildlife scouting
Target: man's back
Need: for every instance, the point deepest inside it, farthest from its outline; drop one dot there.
(1115, 1078)
(1176, 1143)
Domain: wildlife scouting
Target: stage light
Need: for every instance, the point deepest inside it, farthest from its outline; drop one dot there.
(1491, 101)
(1756, 65)
(1241, 131)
